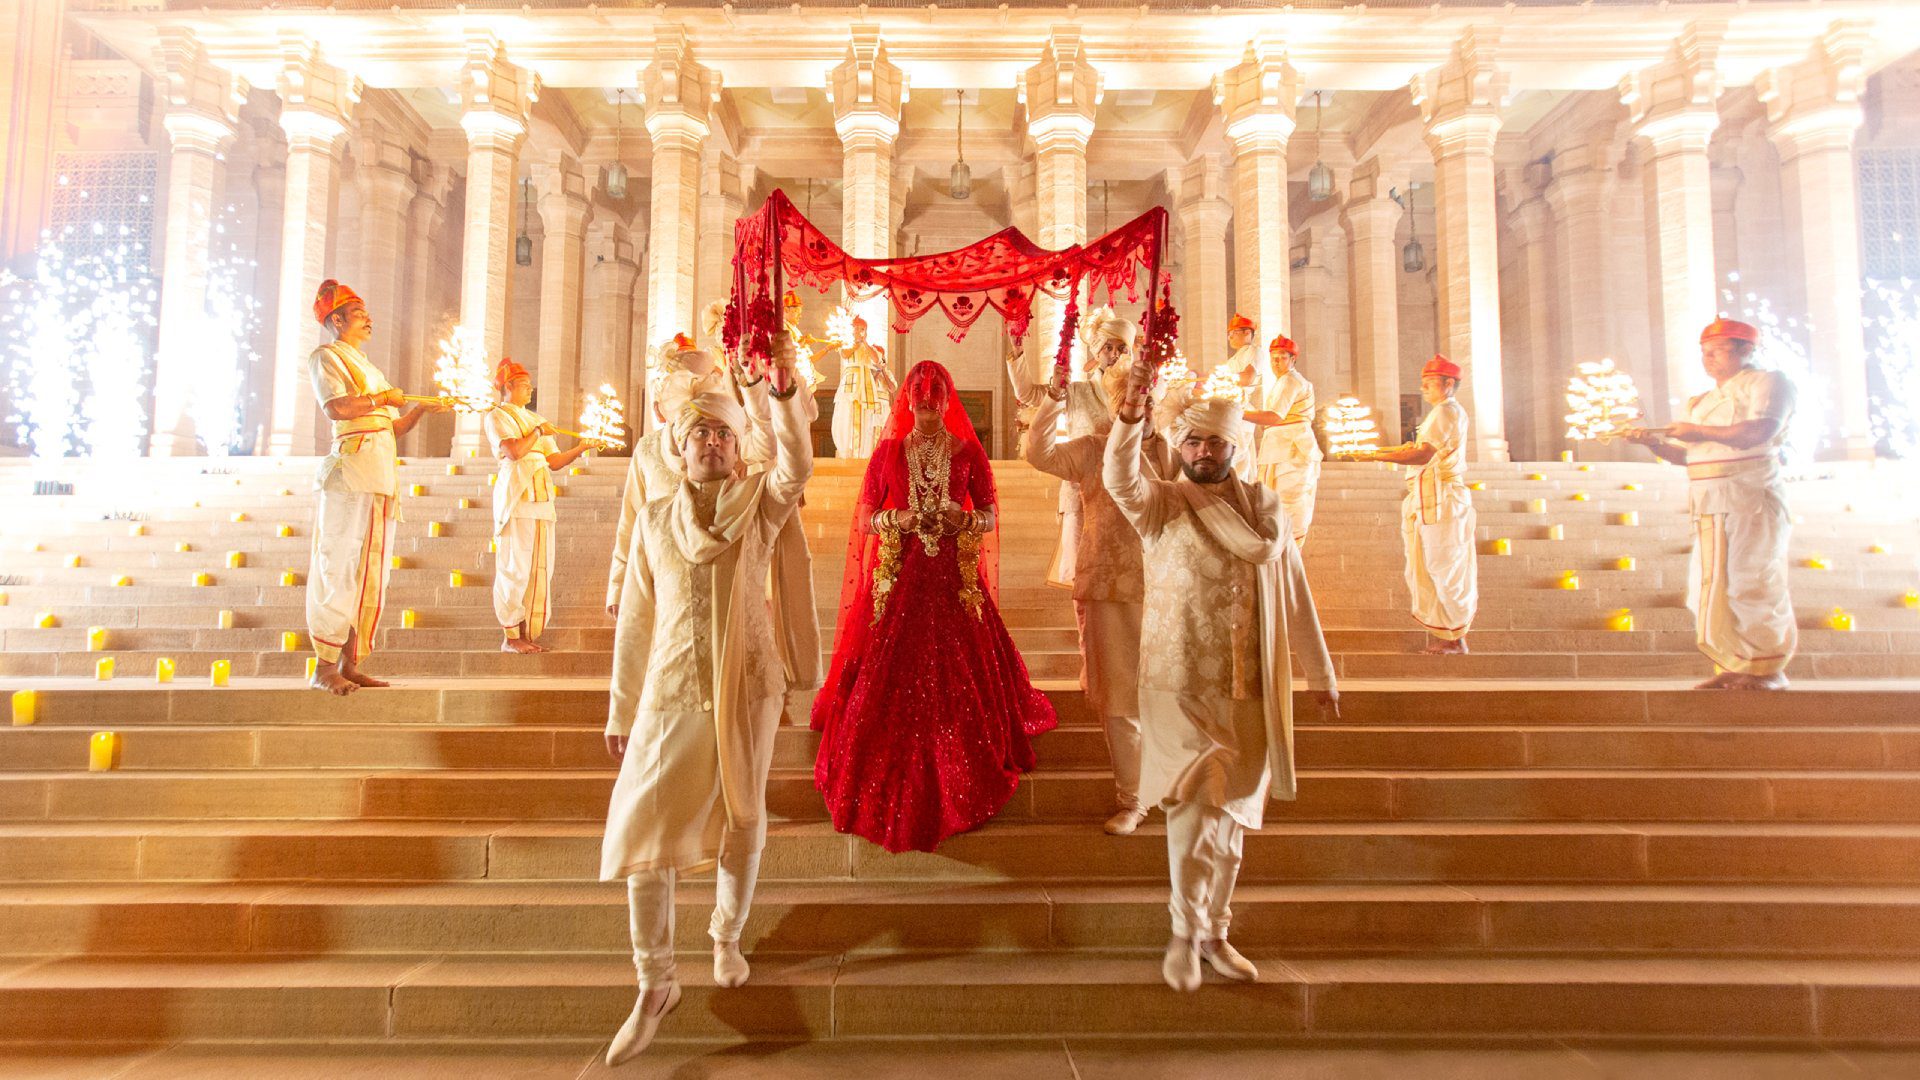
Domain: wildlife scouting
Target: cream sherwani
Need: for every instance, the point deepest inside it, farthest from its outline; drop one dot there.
(653, 470)
(1086, 411)
(1226, 604)
(1743, 616)
(1246, 441)
(357, 506)
(790, 577)
(1107, 584)
(523, 522)
(1289, 454)
(697, 690)
(1436, 524)
(861, 402)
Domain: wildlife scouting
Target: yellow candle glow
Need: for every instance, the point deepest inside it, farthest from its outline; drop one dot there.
(1818, 562)
(1536, 476)
(409, 619)
(136, 530)
(1620, 620)
(201, 579)
(3, 599)
(1876, 549)
(238, 516)
(491, 478)
(1579, 496)
(1569, 579)
(96, 639)
(26, 707)
(163, 669)
(283, 531)
(103, 751)
(121, 581)
(1840, 619)
(1556, 532)
(1630, 517)
(1477, 485)
(46, 620)
(397, 563)
(576, 471)
(222, 671)
(1586, 468)
(1910, 599)
(183, 547)
(313, 667)
(1625, 562)
(1629, 487)
(286, 491)
(473, 453)
(289, 641)
(416, 489)
(453, 470)
(493, 547)
(1502, 546)
(1566, 455)
(466, 504)
(1536, 506)
(224, 620)
(435, 528)
(455, 579)
(103, 669)
(288, 577)
(236, 559)
(73, 561)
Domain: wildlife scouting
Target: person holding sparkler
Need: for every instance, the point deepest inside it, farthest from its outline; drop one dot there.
(1730, 443)
(523, 509)
(1289, 455)
(357, 492)
(865, 395)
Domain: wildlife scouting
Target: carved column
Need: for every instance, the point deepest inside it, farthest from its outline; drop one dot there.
(1257, 100)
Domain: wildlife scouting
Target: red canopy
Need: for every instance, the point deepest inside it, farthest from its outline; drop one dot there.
(1003, 272)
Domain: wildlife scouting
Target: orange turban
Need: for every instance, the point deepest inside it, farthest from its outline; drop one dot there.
(1284, 344)
(683, 343)
(331, 298)
(1442, 366)
(792, 299)
(507, 372)
(1239, 322)
(1731, 329)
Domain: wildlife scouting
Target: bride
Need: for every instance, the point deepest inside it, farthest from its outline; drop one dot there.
(927, 713)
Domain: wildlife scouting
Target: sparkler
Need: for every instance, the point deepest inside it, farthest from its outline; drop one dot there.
(1893, 339)
(462, 371)
(1602, 401)
(1350, 427)
(1221, 385)
(840, 328)
(602, 419)
(1780, 349)
(225, 352)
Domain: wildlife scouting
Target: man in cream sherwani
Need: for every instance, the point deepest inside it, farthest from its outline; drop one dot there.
(698, 688)
(1289, 453)
(1226, 604)
(1730, 443)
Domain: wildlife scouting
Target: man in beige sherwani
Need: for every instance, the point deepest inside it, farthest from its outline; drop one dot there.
(1226, 603)
(698, 687)
(1107, 577)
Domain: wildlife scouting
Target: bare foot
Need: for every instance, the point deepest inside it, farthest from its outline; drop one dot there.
(363, 678)
(518, 645)
(1725, 680)
(329, 677)
(1446, 648)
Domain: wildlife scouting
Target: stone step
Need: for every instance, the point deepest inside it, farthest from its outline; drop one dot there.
(555, 794)
(1064, 992)
(262, 921)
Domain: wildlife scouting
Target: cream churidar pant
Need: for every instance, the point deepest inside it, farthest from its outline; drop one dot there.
(650, 913)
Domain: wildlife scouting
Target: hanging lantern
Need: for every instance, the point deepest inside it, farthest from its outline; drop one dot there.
(1413, 257)
(1319, 178)
(960, 177)
(617, 172)
(523, 244)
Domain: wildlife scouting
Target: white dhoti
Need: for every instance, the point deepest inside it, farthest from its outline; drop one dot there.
(523, 575)
(650, 913)
(1204, 845)
(347, 575)
(1295, 484)
(1743, 615)
(1110, 677)
(1443, 569)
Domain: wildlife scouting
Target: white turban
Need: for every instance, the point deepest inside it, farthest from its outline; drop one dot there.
(709, 406)
(675, 387)
(1208, 416)
(1118, 328)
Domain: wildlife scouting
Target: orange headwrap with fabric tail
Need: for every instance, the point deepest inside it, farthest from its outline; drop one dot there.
(1732, 330)
(331, 298)
(1442, 366)
(1239, 322)
(506, 372)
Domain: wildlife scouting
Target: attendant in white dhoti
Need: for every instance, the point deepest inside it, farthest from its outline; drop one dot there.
(1289, 452)
(1250, 374)
(523, 509)
(698, 687)
(1730, 443)
(1227, 603)
(864, 397)
(1108, 587)
(357, 493)
(1437, 518)
(654, 468)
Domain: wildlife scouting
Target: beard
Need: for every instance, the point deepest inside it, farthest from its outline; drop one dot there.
(1207, 472)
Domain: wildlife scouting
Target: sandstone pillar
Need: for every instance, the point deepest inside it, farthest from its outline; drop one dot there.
(606, 322)
(1205, 215)
(1257, 99)
(1540, 391)
(562, 191)
(1372, 221)
(386, 195)
(1061, 94)
(679, 95)
(722, 202)
(1579, 196)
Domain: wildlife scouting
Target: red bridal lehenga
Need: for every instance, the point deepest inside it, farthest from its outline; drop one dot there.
(927, 714)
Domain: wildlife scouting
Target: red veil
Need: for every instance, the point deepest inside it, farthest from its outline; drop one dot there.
(863, 544)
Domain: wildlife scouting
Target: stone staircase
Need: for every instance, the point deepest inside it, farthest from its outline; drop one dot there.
(1545, 840)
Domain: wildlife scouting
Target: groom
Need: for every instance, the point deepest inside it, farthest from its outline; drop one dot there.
(698, 687)
(1226, 598)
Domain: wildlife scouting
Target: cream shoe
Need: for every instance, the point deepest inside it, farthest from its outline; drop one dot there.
(1227, 960)
(637, 1033)
(1125, 820)
(1181, 968)
(729, 966)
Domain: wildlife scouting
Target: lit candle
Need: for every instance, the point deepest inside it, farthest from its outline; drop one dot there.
(313, 667)
(434, 528)
(1629, 487)
(163, 669)
(1841, 619)
(1625, 562)
(236, 559)
(1579, 496)
(238, 516)
(289, 641)
(1477, 485)
(408, 619)
(1876, 548)
(136, 530)
(288, 577)
(73, 561)
(103, 669)
(121, 581)
(1620, 620)
(466, 504)
(1910, 599)
(472, 452)
(222, 670)
(202, 579)
(3, 599)
(491, 477)
(397, 562)
(1586, 468)
(1630, 517)
(283, 530)
(453, 470)
(96, 639)
(183, 546)
(1569, 579)
(46, 620)
(224, 620)
(1566, 455)
(1536, 506)
(103, 751)
(286, 491)
(1502, 546)
(1536, 476)
(416, 489)
(26, 707)
(493, 546)
(576, 471)
(455, 579)
(1817, 562)
(1556, 532)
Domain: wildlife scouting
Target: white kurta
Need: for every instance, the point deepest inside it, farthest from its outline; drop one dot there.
(1437, 526)
(1289, 453)
(357, 508)
(697, 679)
(1226, 603)
(1743, 615)
(861, 402)
(1246, 457)
(523, 522)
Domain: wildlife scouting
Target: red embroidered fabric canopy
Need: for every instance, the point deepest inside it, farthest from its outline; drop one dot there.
(776, 245)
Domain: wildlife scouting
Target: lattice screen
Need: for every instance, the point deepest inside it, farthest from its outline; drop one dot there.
(107, 198)
(1890, 212)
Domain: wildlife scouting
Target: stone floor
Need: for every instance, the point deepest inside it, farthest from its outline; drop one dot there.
(975, 1060)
